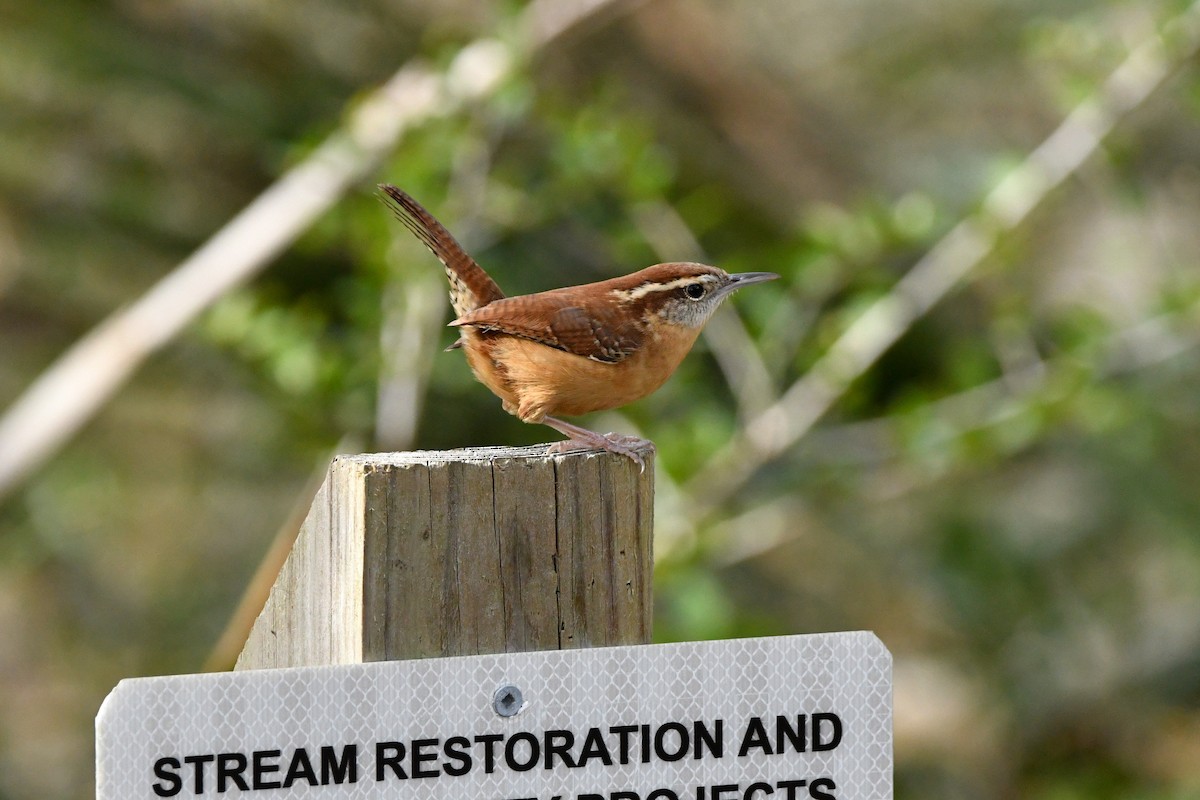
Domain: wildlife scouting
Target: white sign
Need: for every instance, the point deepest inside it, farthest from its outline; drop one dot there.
(778, 718)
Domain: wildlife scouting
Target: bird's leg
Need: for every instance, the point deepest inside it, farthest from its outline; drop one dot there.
(581, 438)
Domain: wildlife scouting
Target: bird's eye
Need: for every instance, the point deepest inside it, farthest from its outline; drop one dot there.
(694, 290)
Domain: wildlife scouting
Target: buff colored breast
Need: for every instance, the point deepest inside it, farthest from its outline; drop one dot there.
(534, 380)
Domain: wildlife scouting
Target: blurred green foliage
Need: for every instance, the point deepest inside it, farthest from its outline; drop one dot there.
(1007, 497)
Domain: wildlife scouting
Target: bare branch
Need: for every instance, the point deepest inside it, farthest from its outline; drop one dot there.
(732, 345)
(58, 403)
(869, 443)
(947, 263)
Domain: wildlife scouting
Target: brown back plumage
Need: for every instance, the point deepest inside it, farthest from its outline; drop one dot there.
(565, 320)
(604, 321)
(470, 286)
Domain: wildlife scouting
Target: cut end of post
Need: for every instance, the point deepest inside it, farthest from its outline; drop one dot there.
(489, 453)
(460, 552)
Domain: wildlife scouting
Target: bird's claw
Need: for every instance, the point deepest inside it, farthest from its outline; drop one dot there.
(611, 442)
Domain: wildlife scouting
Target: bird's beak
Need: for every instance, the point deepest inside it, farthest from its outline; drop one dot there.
(740, 279)
(747, 278)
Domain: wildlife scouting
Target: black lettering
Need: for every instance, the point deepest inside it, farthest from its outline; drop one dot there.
(662, 794)
(300, 769)
(645, 744)
(559, 743)
(198, 762)
(624, 796)
(822, 789)
(344, 771)
(590, 797)
(457, 750)
(261, 770)
(706, 740)
(835, 737)
(755, 737)
(660, 737)
(510, 751)
(594, 747)
(419, 757)
(389, 755)
(162, 771)
(724, 790)
(488, 740)
(230, 767)
(791, 787)
(623, 733)
(783, 730)
(758, 788)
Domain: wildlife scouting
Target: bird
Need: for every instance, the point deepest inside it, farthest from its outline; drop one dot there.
(578, 349)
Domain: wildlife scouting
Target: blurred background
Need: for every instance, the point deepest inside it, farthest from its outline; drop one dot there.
(966, 419)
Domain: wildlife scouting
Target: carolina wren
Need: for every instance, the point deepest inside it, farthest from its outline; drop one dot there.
(578, 349)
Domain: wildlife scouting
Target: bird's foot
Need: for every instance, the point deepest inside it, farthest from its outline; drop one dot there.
(611, 442)
(617, 444)
(583, 439)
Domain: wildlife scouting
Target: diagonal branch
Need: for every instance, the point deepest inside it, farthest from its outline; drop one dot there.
(740, 362)
(950, 260)
(72, 389)
(866, 444)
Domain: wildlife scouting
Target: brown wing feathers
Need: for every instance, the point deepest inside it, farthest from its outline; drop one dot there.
(470, 286)
(556, 319)
(600, 333)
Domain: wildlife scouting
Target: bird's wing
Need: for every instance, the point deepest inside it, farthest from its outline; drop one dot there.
(601, 334)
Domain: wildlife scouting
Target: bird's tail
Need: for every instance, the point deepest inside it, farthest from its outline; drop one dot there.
(470, 286)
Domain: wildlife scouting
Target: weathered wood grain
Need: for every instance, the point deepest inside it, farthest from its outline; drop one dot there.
(413, 555)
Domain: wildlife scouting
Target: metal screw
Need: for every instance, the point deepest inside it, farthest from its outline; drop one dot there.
(507, 700)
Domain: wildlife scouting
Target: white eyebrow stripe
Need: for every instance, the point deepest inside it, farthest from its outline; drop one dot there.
(638, 292)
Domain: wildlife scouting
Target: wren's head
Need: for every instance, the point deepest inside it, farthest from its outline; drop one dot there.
(683, 294)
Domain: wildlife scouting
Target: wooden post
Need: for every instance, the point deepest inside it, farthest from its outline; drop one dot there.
(412, 555)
